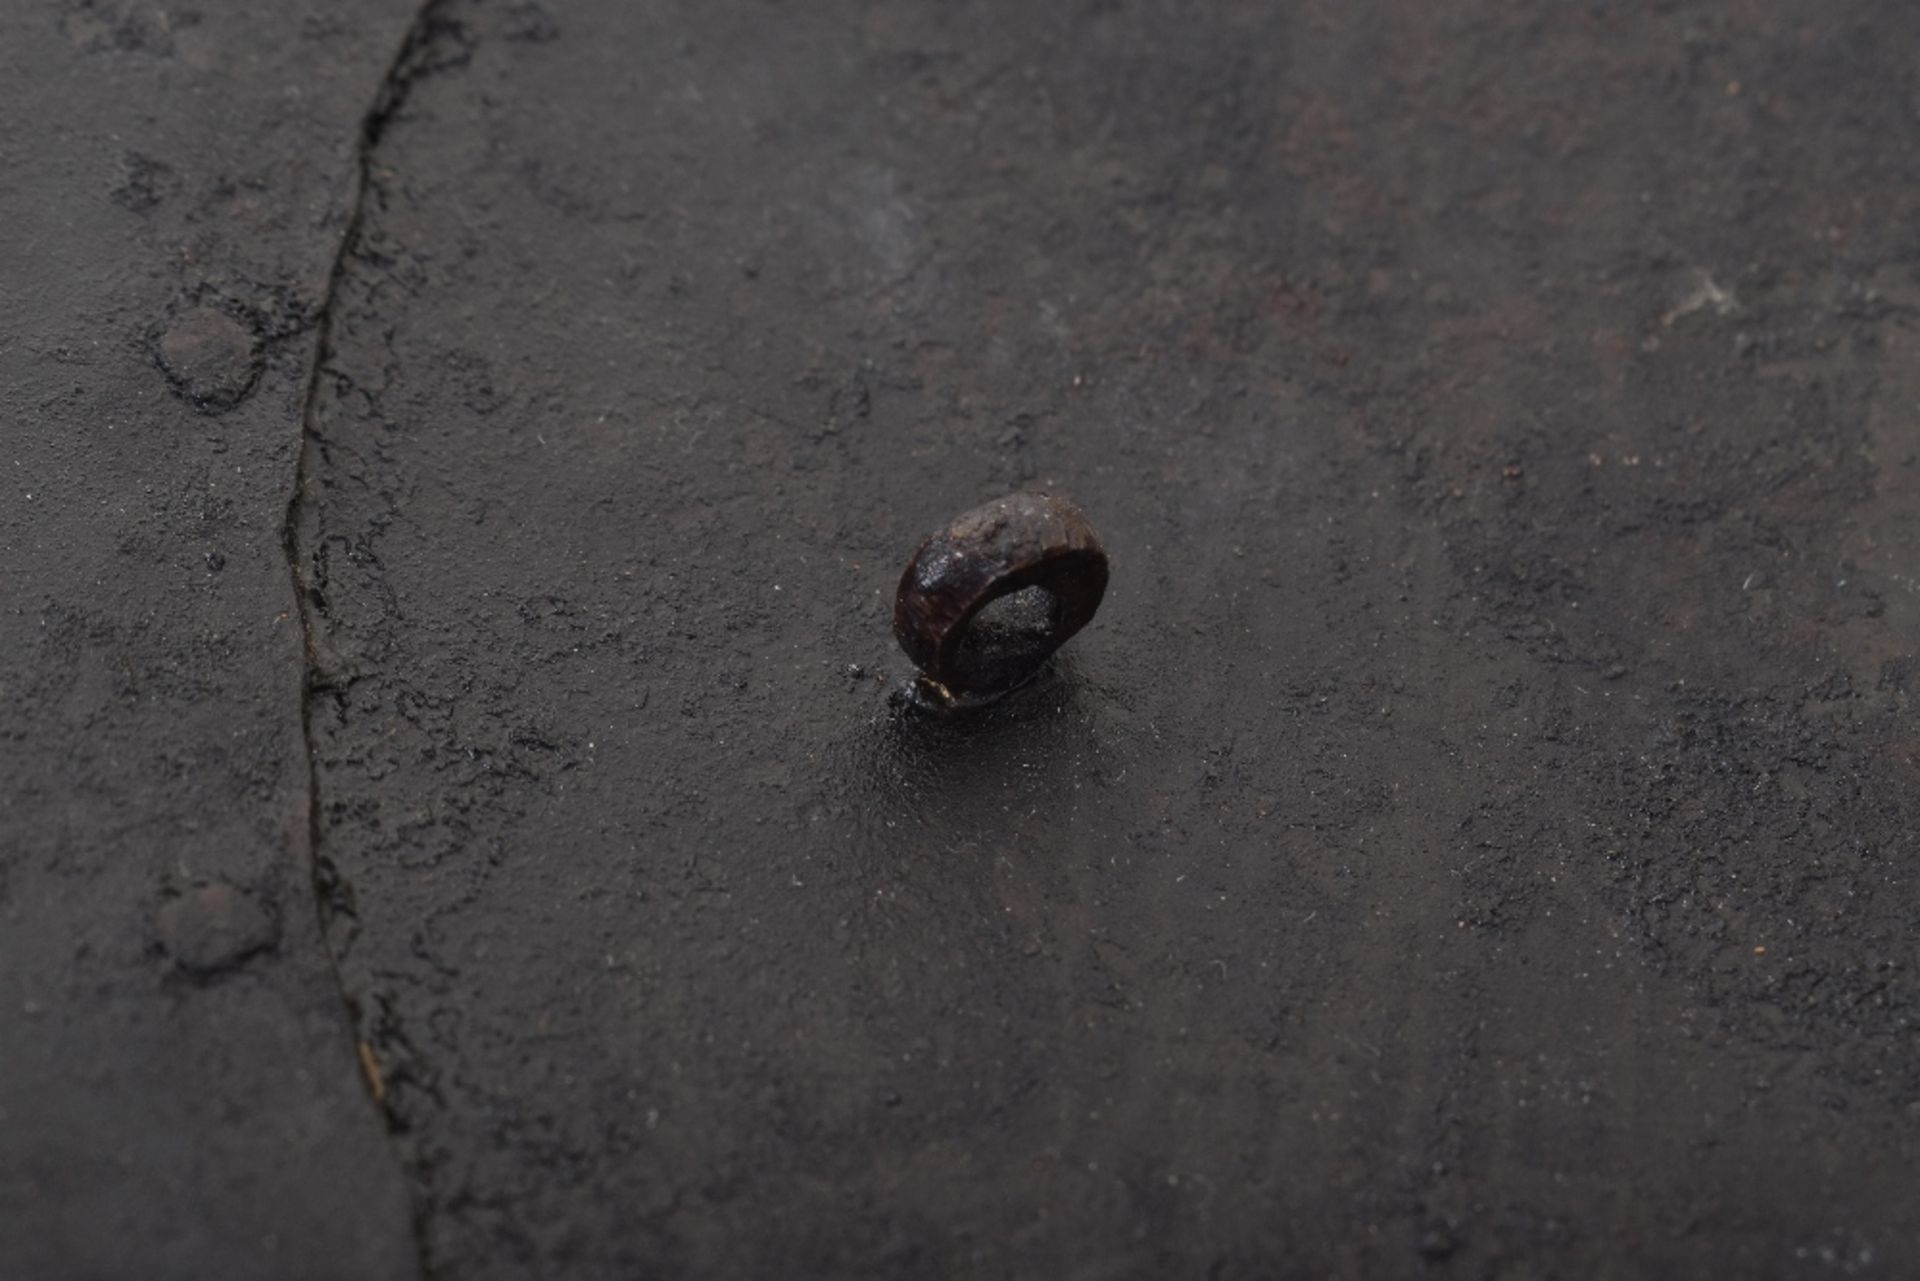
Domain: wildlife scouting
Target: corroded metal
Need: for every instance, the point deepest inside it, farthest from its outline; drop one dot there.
(1022, 541)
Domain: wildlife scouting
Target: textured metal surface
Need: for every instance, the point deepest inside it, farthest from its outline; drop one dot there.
(1476, 839)
(180, 1095)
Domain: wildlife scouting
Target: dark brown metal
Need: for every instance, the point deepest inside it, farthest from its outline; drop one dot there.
(1009, 545)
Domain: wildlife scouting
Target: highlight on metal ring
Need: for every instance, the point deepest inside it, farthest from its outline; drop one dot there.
(986, 601)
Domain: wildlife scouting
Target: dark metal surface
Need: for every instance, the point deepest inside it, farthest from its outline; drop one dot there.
(1477, 838)
(179, 1090)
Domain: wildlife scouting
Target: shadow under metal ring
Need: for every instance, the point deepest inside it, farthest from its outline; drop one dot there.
(1040, 549)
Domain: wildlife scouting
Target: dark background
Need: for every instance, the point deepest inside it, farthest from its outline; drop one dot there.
(454, 467)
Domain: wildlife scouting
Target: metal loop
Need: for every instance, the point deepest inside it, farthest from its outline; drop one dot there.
(1039, 548)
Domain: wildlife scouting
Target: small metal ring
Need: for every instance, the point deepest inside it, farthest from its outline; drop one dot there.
(1021, 541)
